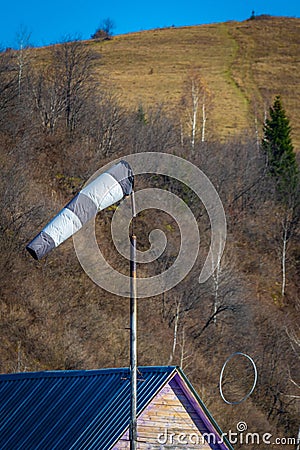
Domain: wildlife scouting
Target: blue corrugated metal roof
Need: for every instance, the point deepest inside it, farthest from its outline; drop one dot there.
(71, 409)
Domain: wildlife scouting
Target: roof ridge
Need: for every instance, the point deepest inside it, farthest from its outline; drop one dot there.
(80, 373)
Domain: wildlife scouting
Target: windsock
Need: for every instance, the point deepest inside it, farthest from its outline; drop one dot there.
(107, 189)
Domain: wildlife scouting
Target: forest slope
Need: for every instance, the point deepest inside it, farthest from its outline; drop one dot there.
(58, 125)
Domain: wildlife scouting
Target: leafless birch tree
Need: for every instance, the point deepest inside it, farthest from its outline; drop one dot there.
(22, 55)
(194, 104)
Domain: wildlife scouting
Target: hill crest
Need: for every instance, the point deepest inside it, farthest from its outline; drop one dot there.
(244, 64)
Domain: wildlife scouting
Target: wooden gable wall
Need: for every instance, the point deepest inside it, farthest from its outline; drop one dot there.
(170, 421)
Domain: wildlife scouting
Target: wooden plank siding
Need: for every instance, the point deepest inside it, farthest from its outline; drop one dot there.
(170, 421)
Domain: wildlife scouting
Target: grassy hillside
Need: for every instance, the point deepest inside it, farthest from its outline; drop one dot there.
(244, 64)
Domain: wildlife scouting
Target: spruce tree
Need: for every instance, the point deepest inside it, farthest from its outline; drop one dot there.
(278, 147)
(282, 166)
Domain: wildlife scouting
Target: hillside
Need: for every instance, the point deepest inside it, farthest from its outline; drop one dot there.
(70, 109)
(244, 64)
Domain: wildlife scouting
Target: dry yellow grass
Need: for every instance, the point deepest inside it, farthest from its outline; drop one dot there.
(244, 64)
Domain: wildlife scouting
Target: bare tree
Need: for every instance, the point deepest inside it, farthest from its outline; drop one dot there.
(194, 104)
(14, 215)
(48, 98)
(104, 30)
(289, 220)
(186, 355)
(180, 306)
(62, 88)
(294, 337)
(8, 79)
(22, 56)
(283, 224)
(176, 320)
(104, 124)
(74, 63)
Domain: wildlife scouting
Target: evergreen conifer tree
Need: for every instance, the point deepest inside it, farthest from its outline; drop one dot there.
(282, 166)
(278, 147)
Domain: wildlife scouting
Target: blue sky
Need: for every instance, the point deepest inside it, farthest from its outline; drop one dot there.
(51, 21)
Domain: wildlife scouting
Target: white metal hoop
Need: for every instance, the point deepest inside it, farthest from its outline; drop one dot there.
(221, 378)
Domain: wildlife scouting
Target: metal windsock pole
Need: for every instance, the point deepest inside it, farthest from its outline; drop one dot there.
(103, 191)
(133, 336)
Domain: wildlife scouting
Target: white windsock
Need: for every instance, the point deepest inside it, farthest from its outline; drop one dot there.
(107, 189)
